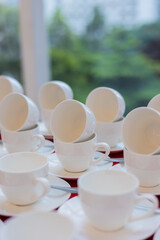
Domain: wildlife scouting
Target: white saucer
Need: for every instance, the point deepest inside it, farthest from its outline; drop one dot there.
(135, 230)
(54, 199)
(57, 169)
(44, 131)
(47, 148)
(157, 235)
(117, 148)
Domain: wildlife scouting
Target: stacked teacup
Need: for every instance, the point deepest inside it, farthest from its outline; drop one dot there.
(19, 117)
(9, 85)
(141, 137)
(23, 172)
(108, 106)
(73, 127)
(51, 94)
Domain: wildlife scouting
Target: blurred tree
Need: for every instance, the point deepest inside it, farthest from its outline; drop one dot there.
(95, 31)
(9, 42)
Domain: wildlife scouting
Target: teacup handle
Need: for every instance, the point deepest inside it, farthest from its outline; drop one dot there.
(42, 142)
(46, 187)
(105, 147)
(150, 198)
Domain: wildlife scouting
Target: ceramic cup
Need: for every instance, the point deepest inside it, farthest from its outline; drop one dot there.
(155, 103)
(23, 141)
(38, 226)
(109, 132)
(18, 112)
(77, 157)
(23, 177)
(141, 131)
(51, 94)
(107, 104)
(146, 167)
(72, 121)
(108, 198)
(9, 85)
(46, 118)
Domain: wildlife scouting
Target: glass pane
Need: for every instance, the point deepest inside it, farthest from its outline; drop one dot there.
(10, 62)
(110, 43)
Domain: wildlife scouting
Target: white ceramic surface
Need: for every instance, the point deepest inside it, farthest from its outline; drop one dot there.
(137, 230)
(44, 131)
(23, 141)
(146, 167)
(72, 121)
(54, 92)
(117, 148)
(51, 201)
(9, 85)
(23, 177)
(38, 226)
(141, 131)
(157, 235)
(18, 112)
(108, 198)
(79, 156)
(106, 103)
(56, 168)
(155, 102)
(50, 95)
(109, 132)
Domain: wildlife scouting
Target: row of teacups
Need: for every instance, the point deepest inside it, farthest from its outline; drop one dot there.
(19, 118)
(141, 137)
(77, 127)
(108, 198)
(107, 105)
(100, 225)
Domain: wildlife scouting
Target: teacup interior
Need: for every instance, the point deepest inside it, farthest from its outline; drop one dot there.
(69, 121)
(108, 182)
(5, 88)
(13, 112)
(22, 162)
(50, 95)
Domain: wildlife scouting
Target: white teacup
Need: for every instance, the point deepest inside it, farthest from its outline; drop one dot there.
(38, 226)
(77, 157)
(146, 167)
(23, 141)
(109, 132)
(72, 121)
(18, 112)
(155, 102)
(9, 85)
(108, 198)
(141, 131)
(107, 104)
(46, 118)
(50, 95)
(23, 177)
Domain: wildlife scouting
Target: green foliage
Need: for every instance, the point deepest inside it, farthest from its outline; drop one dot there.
(107, 57)
(127, 60)
(9, 42)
